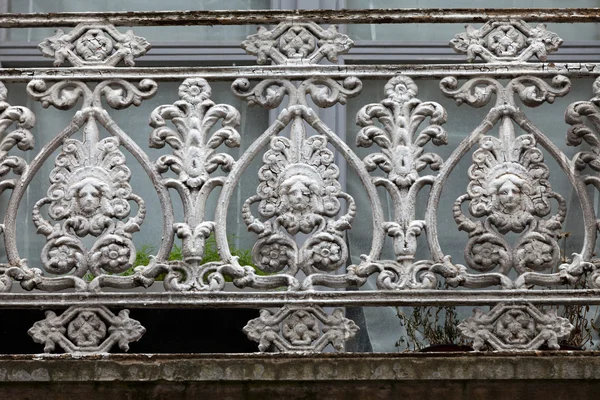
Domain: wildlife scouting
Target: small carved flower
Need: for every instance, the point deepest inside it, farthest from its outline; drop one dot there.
(487, 255)
(62, 258)
(537, 255)
(401, 89)
(274, 257)
(326, 255)
(194, 90)
(48, 331)
(114, 255)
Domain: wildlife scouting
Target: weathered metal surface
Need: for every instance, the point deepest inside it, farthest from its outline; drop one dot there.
(414, 71)
(300, 329)
(301, 212)
(241, 299)
(512, 327)
(86, 330)
(94, 45)
(252, 17)
(508, 41)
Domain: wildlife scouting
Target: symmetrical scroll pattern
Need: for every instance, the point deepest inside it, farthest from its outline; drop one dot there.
(300, 328)
(194, 159)
(94, 45)
(301, 213)
(515, 327)
(577, 115)
(90, 194)
(506, 41)
(21, 138)
(90, 190)
(509, 190)
(299, 191)
(402, 157)
(86, 330)
(293, 43)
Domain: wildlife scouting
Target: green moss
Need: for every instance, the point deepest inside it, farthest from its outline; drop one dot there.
(144, 253)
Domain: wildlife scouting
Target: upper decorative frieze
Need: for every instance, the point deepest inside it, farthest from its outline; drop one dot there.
(293, 43)
(94, 45)
(506, 41)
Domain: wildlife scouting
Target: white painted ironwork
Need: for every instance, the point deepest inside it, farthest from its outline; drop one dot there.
(509, 216)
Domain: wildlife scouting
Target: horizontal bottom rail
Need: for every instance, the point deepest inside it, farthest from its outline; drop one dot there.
(279, 299)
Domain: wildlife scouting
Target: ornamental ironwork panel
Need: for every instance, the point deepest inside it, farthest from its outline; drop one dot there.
(508, 217)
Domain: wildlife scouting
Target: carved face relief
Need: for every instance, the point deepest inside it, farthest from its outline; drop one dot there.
(509, 193)
(91, 195)
(301, 194)
(88, 195)
(299, 197)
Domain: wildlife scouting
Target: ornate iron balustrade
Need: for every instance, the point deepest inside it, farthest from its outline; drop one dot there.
(301, 213)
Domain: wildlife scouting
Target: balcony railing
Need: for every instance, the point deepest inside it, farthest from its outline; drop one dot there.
(302, 273)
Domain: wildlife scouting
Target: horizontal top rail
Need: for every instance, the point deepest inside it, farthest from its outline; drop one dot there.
(380, 71)
(363, 298)
(251, 17)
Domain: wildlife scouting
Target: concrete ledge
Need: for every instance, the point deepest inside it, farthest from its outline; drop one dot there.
(324, 367)
(460, 376)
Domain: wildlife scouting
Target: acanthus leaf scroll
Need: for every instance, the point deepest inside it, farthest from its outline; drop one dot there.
(584, 118)
(20, 138)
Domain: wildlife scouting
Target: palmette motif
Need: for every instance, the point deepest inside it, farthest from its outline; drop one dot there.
(194, 159)
(301, 213)
(402, 158)
(577, 115)
(89, 193)
(299, 190)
